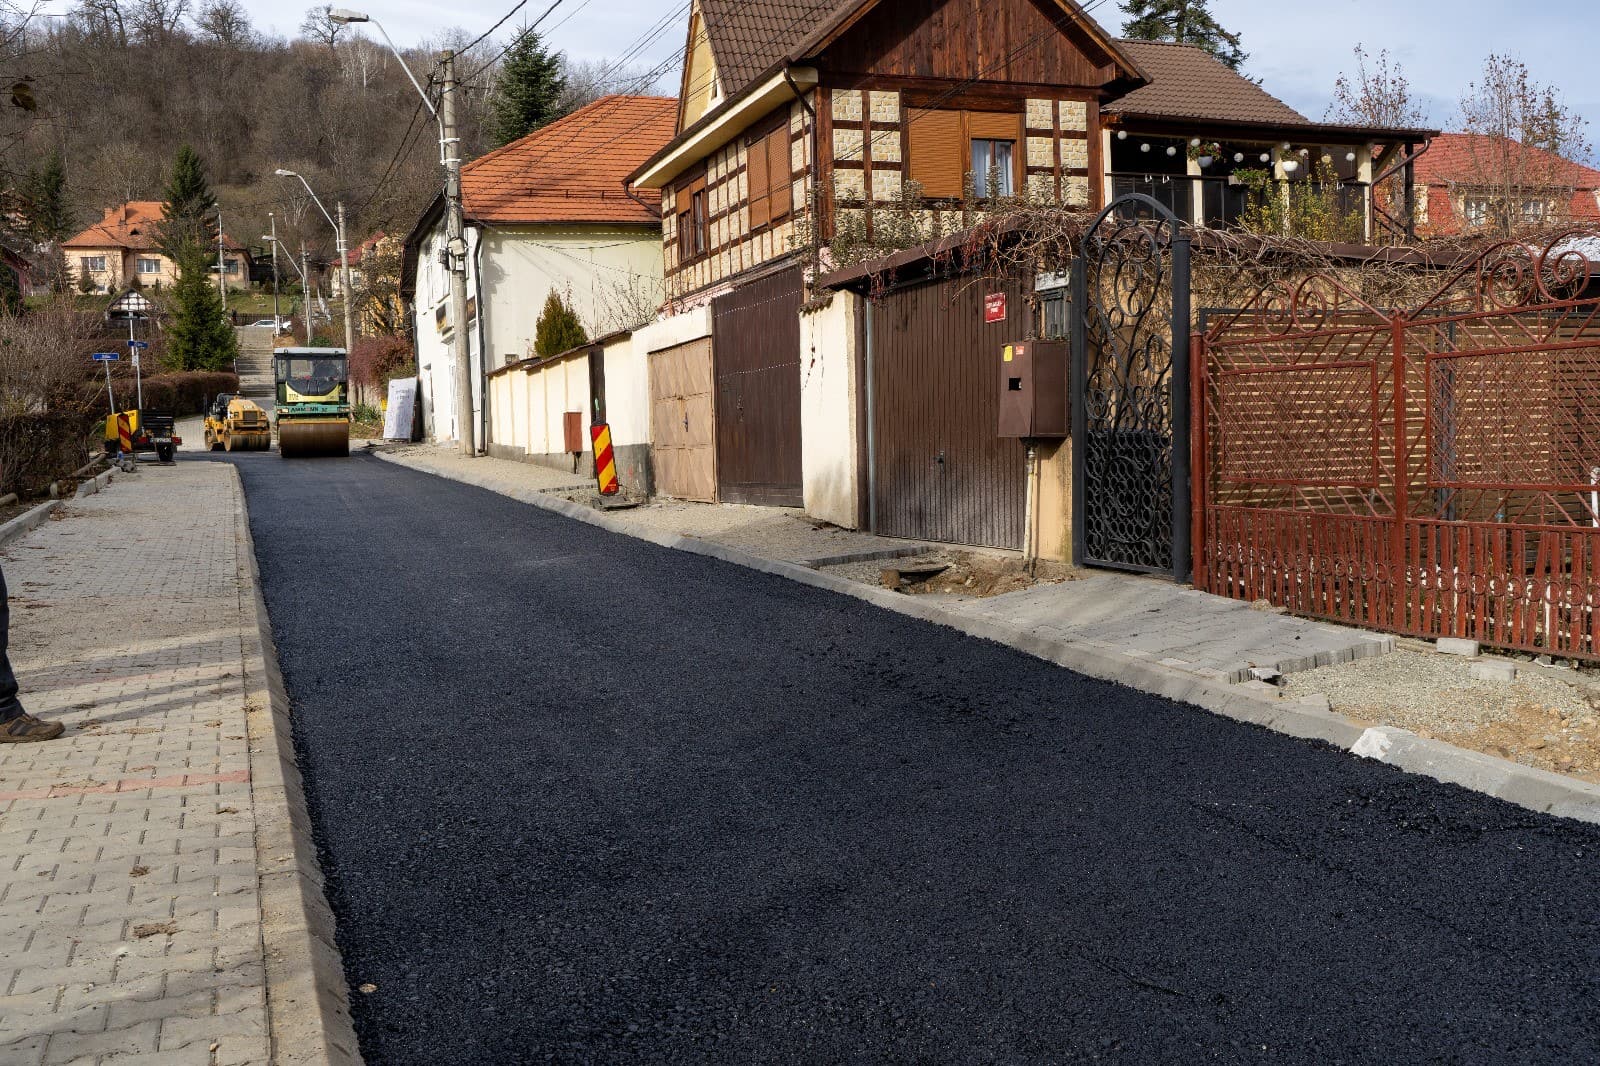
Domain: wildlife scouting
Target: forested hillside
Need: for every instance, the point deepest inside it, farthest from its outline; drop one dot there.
(118, 85)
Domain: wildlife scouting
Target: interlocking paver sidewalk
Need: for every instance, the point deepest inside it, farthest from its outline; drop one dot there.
(130, 918)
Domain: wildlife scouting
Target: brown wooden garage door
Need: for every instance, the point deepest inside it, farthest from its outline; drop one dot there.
(757, 331)
(682, 420)
(941, 473)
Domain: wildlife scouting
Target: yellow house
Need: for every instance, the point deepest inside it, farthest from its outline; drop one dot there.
(123, 249)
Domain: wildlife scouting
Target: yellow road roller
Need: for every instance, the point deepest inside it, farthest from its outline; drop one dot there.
(235, 424)
(313, 401)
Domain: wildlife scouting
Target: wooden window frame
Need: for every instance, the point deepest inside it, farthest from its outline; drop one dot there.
(693, 231)
(1015, 127)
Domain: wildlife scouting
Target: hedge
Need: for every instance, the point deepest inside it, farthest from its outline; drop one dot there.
(36, 449)
(187, 392)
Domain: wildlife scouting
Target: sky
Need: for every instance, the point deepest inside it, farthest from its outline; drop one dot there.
(1297, 48)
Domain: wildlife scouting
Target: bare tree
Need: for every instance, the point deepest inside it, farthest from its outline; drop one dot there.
(225, 22)
(1377, 94)
(318, 25)
(362, 61)
(1521, 140)
(102, 21)
(158, 21)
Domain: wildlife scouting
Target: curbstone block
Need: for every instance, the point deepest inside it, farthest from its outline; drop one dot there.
(1456, 646)
(1494, 671)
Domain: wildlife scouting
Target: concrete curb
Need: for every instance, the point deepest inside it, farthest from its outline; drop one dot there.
(95, 484)
(308, 1005)
(1254, 702)
(27, 521)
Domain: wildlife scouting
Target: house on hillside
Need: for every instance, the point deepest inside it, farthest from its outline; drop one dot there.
(548, 213)
(123, 249)
(1467, 183)
(803, 124)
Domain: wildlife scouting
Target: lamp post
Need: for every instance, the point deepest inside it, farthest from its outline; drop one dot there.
(455, 222)
(272, 238)
(344, 257)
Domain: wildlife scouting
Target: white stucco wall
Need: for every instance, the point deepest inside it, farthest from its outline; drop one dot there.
(611, 275)
(435, 360)
(829, 427)
(627, 392)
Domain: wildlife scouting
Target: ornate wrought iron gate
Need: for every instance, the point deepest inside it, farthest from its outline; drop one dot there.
(1130, 393)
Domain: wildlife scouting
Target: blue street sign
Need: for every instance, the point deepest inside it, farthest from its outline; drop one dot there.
(138, 344)
(106, 357)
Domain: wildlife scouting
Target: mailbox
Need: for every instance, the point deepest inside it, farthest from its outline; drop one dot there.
(1033, 389)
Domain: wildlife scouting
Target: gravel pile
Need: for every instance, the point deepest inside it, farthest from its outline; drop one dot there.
(1537, 720)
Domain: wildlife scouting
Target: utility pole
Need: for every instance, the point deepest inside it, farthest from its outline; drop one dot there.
(456, 245)
(305, 290)
(222, 277)
(349, 312)
(275, 320)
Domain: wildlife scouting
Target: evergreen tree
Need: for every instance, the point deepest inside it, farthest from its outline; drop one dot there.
(1182, 22)
(189, 208)
(10, 292)
(558, 329)
(200, 337)
(49, 219)
(527, 90)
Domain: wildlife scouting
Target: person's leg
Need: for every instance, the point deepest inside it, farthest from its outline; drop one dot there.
(16, 725)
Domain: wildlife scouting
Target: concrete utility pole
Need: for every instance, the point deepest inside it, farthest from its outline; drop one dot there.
(349, 293)
(222, 277)
(275, 320)
(305, 290)
(456, 245)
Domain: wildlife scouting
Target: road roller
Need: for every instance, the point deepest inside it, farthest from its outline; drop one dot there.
(235, 424)
(313, 401)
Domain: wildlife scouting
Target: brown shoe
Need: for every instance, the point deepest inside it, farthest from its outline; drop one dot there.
(26, 729)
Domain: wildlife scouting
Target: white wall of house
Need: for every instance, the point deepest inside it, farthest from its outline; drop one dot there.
(829, 425)
(435, 337)
(610, 274)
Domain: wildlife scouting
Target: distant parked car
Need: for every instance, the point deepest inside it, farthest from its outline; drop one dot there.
(266, 323)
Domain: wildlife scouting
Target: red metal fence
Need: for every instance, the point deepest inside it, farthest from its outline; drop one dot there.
(1432, 471)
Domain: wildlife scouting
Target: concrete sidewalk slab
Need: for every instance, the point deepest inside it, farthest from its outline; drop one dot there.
(132, 890)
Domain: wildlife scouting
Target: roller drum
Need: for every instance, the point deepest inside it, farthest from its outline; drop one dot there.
(304, 439)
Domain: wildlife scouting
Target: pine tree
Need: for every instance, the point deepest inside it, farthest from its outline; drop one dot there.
(49, 219)
(1182, 22)
(200, 337)
(558, 329)
(190, 208)
(527, 90)
(10, 292)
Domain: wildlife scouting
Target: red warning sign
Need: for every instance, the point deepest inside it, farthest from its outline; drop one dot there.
(994, 307)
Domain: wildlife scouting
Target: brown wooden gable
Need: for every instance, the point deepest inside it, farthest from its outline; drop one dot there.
(1034, 42)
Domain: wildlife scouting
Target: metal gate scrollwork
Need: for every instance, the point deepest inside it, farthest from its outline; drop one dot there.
(1130, 395)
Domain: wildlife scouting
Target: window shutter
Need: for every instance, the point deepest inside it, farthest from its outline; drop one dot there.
(937, 152)
(780, 170)
(756, 178)
(994, 125)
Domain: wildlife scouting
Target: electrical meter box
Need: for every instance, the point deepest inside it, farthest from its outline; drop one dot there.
(1033, 389)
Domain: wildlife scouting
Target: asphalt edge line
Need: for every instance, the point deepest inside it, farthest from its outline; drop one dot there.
(308, 1003)
(1254, 702)
(28, 521)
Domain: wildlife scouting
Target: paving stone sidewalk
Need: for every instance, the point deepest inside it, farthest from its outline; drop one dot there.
(130, 917)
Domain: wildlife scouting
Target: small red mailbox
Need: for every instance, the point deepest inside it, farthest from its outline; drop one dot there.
(1033, 389)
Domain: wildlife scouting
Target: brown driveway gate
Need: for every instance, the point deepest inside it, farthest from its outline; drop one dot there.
(757, 331)
(1432, 471)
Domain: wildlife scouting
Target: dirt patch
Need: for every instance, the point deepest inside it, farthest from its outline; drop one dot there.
(149, 929)
(957, 572)
(366, 430)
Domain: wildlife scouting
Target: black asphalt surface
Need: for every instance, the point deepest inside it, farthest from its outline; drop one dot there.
(583, 799)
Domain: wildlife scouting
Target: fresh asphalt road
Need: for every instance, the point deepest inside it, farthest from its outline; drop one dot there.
(584, 799)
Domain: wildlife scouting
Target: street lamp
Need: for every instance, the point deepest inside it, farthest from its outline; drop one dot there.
(455, 222)
(344, 258)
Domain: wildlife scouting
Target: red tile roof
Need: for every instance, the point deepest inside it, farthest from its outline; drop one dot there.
(1460, 161)
(574, 169)
(133, 225)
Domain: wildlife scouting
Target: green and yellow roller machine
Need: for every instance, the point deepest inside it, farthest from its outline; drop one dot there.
(313, 401)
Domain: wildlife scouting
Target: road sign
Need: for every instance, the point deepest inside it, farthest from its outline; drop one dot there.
(138, 344)
(105, 357)
(136, 360)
